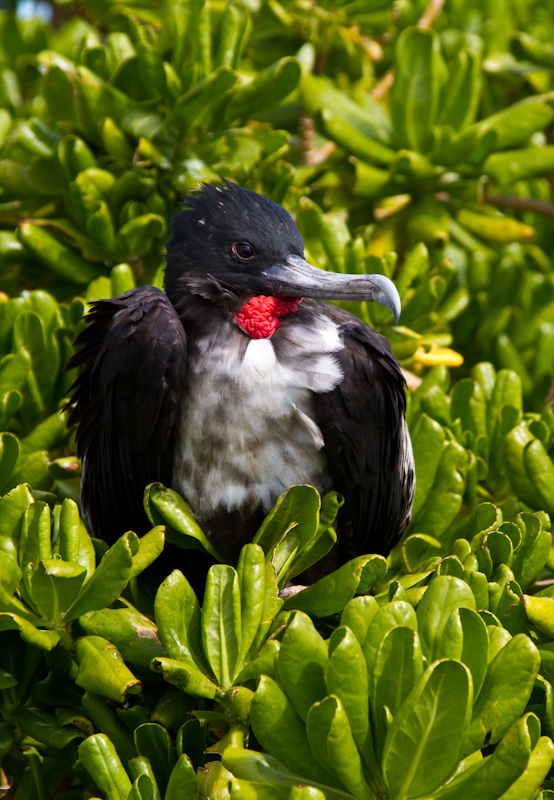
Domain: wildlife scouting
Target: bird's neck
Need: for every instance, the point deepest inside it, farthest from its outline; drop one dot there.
(260, 317)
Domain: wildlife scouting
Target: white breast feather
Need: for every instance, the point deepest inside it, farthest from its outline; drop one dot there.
(248, 429)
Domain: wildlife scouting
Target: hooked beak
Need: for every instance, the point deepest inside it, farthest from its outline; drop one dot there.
(294, 277)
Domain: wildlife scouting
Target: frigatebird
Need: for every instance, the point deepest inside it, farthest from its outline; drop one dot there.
(240, 381)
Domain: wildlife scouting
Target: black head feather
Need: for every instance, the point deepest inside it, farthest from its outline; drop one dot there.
(214, 220)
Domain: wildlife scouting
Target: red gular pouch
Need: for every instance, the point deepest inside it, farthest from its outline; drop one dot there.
(261, 316)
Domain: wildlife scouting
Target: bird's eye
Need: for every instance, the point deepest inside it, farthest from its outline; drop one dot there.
(243, 250)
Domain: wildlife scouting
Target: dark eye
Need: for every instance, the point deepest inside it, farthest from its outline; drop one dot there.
(243, 250)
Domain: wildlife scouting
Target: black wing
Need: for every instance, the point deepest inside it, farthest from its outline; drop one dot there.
(367, 442)
(125, 405)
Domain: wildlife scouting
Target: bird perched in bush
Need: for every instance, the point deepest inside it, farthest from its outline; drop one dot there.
(240, 381)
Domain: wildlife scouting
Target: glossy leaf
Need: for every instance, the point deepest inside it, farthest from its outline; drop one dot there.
(251, 577)
(186, 677)
(302, 663)
(153, 742)
(101, 760)
(182, 784)
(500, 771)
(331, 593)
(332, 743)
(134, 635)
(417, 83)
(445, 594)
(109, 579)
(177, 614)
(221, 622)
(516, 665)
(423, 742)
(102, 670)
(165, 506)
(282, 733)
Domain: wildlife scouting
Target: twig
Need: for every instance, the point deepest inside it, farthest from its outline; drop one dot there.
(521, 204)
(384, 85)
(310, 153)
(430, 14)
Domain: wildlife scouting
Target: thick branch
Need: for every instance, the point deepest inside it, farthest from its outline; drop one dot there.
(521, 204)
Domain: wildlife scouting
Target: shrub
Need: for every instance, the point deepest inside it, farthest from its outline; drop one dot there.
(406, 140)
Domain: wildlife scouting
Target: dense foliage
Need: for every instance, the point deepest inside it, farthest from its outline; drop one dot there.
(408, 140)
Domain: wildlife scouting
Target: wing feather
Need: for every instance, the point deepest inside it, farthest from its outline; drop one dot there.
(367, 442)
(125, 404)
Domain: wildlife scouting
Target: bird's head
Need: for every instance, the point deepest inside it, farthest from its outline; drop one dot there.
(236, 242)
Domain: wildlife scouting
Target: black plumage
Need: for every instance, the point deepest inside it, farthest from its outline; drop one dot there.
(174, 389)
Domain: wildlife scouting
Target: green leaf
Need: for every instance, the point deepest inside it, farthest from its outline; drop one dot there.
(12, 510)
(151, 546)
(332, 743)
(475, 645)
(290, 525)
(14, 369)
(186, 677)
(398, 666)
(357, 615)
(194, 107)
(144, 786)
(517, 165)
(166, 507)
(109, 579)
(266, 771)
(153, 742)
(272, 605)
(102, 670)
(464, 91)
(182, 784)
(9, 453)
(531, 555)
(370, 121)
(346, 678)
(540, 612)
(34, 544)
(495, 710)
(427, 442)
(136, 236)
(43, 727)
(540, 471)
(221, 622)
(69, 530)
(28, 631)
(390, 616)
(106, 721)
(10, 574)
(134, 635)
(415, 94)
(492, 776)
(301, 664)
(281, 732)
(265, 90)
(55, 256)
(251, 576)
(423, 742)
(444, 595)
(331, 593)
(517, 122)
(101, 761)
(535, 772)
(177, 613)
(53, 586)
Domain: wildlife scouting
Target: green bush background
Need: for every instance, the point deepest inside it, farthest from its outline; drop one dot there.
(406, 139)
